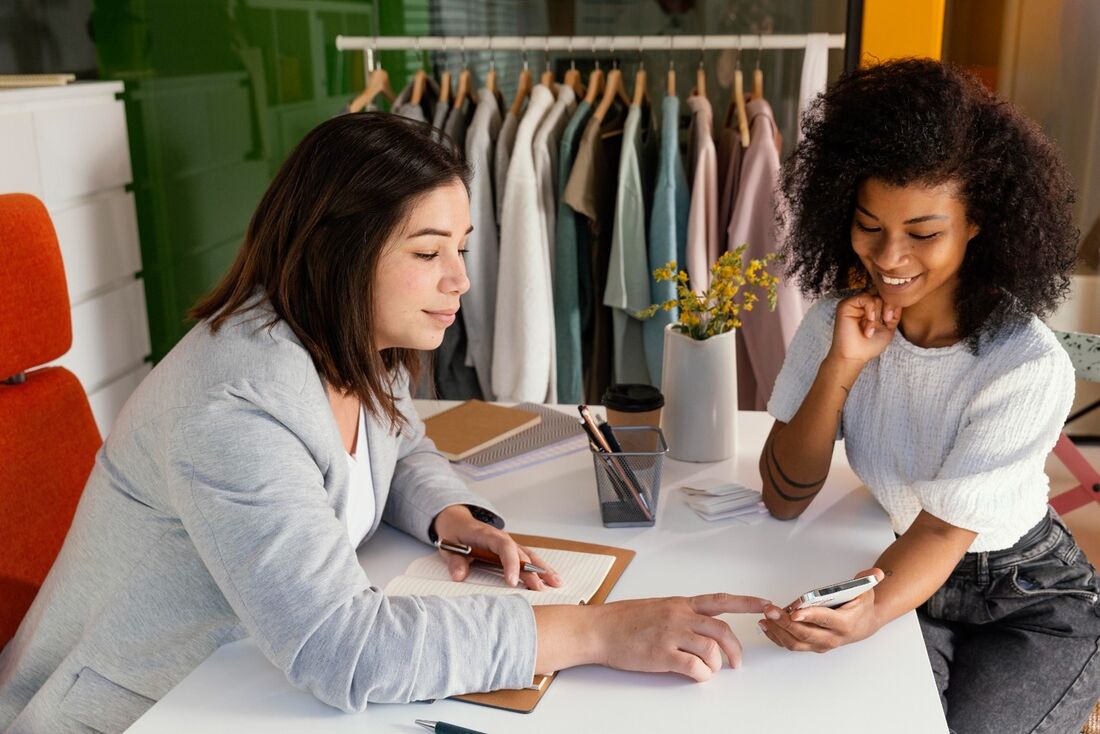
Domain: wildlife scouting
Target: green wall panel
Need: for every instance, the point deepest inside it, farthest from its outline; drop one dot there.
(218, 92)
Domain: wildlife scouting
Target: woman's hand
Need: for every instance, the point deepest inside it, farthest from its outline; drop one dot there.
(864, 325)
(819, 629)
(676, 634)
(455, 523)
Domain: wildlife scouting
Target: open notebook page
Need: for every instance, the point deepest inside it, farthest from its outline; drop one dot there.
(581, 574)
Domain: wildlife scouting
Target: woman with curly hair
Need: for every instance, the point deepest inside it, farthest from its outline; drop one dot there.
(933, 222)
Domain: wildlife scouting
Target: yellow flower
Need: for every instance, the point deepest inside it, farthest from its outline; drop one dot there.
(716, 310)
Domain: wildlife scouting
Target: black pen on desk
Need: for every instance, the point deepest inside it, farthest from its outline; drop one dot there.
(442, 727)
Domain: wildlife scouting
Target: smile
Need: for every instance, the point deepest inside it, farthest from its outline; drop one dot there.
(897, 284)
(445, 318)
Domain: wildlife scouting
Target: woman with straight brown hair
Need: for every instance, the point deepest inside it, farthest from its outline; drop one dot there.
(269, 444)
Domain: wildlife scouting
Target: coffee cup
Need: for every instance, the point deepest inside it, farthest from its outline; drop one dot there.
(633, 405)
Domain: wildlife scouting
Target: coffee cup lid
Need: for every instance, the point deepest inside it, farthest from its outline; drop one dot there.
(633, 398)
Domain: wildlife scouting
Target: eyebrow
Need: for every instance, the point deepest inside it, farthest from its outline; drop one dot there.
(436, 232)
(914, 220)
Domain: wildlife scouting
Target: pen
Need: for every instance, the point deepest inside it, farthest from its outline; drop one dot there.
(480, 554)
(626, 477)
(442, 727)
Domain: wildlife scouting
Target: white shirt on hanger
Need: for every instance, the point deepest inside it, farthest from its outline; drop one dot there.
(815, 73)
(523, 335)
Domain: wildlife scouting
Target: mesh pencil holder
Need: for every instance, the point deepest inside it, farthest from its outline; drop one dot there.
(628, 482)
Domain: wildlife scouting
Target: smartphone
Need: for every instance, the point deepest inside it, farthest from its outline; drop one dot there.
(834, 595)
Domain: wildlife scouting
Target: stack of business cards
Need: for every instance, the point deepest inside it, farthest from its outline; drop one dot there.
(716, 499)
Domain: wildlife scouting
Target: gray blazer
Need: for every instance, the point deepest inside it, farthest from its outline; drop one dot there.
(216, 510)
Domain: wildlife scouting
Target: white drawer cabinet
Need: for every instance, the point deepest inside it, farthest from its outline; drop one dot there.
(69, 147)
(82, 147)
(18, 158)
(99, 243)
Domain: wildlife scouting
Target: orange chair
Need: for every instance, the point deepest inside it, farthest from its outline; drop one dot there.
(48, 438)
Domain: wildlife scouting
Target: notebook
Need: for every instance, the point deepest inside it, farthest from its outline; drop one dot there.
(582, 575)
(525, 700)
(474, 426)
(556, 426)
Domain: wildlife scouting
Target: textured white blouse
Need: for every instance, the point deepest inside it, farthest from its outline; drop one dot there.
(964, 437)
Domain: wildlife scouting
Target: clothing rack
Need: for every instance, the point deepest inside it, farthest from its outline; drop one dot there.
(751, 42)
(526, 44)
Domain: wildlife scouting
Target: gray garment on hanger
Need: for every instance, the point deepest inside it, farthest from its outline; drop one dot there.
(505, 141)
(439, 119)
(419, 112)
(479, 303)
(455, 379)
(458, 122)
(628, 276)
(571, 258)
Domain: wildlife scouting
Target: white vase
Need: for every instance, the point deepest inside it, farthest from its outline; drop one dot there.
(699, 382)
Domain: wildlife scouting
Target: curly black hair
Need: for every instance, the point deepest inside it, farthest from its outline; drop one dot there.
(922, 121)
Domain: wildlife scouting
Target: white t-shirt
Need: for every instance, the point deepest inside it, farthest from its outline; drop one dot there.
(961, 436)
(361, 506)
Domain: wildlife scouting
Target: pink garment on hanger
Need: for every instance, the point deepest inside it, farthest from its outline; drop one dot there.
(765, 335)
(702, 234)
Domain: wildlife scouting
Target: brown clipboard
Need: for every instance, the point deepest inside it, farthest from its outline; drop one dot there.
(524, 701)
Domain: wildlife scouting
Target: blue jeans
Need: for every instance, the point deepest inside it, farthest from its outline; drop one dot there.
(1013, 636)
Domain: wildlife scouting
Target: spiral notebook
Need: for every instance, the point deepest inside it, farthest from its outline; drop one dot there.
(556, 435)
(474, 426)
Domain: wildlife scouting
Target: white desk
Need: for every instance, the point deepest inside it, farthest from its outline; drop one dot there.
(887, 678)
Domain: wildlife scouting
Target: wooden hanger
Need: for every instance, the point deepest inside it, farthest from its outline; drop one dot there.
(595, 85)
(671, 88)
(547, 79)
(445, 87)
(572, 76)
(640, 93)
(700, 81)
(739, 100)
(418, 87)
(463, 91)
(573, 80)
(491, 75)
(612, 89)
(523, 90)
(757, 75)
(377, 83)
(491, 80)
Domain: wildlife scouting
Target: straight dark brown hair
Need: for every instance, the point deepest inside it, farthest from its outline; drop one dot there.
(314, 243)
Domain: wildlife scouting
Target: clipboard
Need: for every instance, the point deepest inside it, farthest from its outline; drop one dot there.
(524, 700)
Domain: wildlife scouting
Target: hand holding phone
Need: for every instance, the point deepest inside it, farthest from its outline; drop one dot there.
(827, 617)
(834, 595)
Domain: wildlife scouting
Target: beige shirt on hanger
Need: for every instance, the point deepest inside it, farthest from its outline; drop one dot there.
(702, 238)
